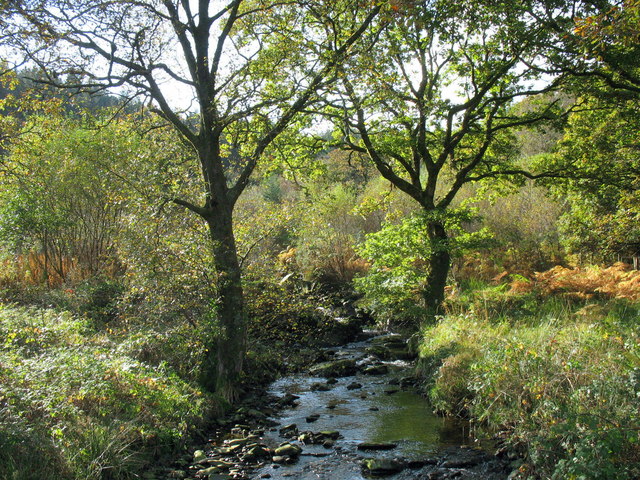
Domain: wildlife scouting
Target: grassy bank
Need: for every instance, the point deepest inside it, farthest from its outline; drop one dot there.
(557, 370)
(77, 404)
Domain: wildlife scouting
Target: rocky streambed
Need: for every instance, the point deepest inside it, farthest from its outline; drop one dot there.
(356, 415)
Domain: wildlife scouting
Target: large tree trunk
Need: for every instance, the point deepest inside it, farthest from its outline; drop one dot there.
(227, 348)
(439, 264)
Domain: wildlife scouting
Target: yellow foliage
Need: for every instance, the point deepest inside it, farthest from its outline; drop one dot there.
(616, 281)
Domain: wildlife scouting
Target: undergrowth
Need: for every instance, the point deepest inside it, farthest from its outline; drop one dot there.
(74, 404)
(557, 374)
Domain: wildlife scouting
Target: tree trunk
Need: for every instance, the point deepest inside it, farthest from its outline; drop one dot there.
(227, 347)
(439, 264)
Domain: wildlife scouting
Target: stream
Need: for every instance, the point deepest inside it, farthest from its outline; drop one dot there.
(377, 416)
(356, 416)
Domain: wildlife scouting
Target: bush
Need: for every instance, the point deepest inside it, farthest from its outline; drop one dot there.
(395, 283)
(93, 411)
(564, 386)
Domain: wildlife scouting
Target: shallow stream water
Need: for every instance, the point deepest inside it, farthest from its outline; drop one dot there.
(378, 412)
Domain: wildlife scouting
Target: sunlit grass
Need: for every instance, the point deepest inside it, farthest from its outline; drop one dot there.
(561, 376)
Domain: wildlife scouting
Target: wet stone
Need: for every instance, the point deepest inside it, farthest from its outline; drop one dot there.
(381, 466)
(354, 386)
(289, 400)
(329, 434)
(198, 456)
(421, 463)
(337, 368)
(288, 450)
(376, 446)
(312, 418)
(290, 430)
(320, 387)
(376, 370)
(329, 443)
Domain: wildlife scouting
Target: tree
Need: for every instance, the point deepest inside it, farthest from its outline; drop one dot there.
(600, 147)
(249, 66)
(59, 200)
(430, 104)
(597, 42)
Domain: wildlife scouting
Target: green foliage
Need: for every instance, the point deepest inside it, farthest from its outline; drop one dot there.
(561, 382)
(598, 152)
(327, 234)
(60, 205)
(524, 225)
(399, 263)
(97, 412)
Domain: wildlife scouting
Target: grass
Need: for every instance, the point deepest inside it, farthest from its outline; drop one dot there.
(558, 373)
(76, 404)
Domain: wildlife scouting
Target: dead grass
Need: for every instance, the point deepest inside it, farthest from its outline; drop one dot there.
(617, 281)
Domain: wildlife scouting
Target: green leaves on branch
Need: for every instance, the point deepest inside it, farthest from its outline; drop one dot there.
(399, 257)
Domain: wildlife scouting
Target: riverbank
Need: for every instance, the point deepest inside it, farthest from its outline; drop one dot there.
(556, 374)
(354, 415)
(80, 402)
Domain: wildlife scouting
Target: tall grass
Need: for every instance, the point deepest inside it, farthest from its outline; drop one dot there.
(75, 405)
(559, 374)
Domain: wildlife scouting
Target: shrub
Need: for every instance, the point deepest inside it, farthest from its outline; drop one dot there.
(565, 386)
(87, 402)
(394, 285)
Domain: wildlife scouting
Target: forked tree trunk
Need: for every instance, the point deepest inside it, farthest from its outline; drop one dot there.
(439, 264)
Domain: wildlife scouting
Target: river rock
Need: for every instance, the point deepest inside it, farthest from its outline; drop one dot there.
(391, 347)
(354, 386)
(289, 400)
(328, 435)
(290, 430)
(381, 466)
(390, 340)
(306, 437)
(199, 456)
(240, 441)
(317, 438)
(376, 446)
(320, 387)
(336, 368)
(288, 450)
(376, 370)
(406, 382)
(421, 463)
(312, 418)
(256, 453)
(207, 471)
(401, 354)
